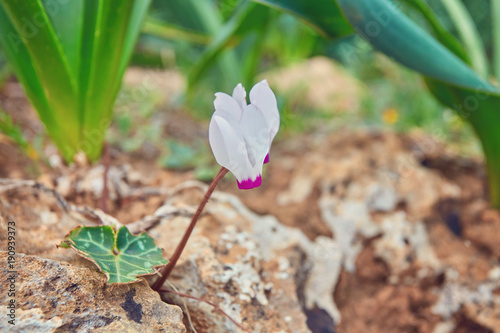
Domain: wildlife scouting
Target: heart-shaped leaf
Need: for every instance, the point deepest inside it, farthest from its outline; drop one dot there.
(123, 257)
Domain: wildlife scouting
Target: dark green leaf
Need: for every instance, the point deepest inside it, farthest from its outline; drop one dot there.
(123, 257)
(390, 31)
(442, 35)
(482, 110)
(67, 25)
(450, 79)
(323, 15)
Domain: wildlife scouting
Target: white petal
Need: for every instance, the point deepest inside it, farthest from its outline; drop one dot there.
(217, 143)
(229, 148)
(227, 107)
(263, 98)
(240, 95)
(255, 135)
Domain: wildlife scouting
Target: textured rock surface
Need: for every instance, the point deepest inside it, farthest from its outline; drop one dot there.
(245, 263)
(40, 222)
(365, 236)
(395, 227)
(57, 297)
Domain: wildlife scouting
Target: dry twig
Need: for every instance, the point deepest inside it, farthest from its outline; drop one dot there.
(215, 306)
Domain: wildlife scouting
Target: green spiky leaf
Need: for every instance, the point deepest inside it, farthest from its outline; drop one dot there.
(70, 57)
(123, 257)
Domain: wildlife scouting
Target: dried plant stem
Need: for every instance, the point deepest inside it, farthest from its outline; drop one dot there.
(208, 302)
(167, 269)
(186, 309)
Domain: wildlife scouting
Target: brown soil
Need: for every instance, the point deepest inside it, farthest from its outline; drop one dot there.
(463, 231)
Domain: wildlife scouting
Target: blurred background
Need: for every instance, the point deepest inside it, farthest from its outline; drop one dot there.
(366, 159)
(188, 49)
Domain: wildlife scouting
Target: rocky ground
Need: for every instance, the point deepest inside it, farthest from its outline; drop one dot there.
(358, 231)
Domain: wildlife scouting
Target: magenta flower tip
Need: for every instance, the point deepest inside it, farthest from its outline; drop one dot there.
(266, 160)
(249, 184)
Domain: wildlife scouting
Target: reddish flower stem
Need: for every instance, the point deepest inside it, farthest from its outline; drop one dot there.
(167, 269)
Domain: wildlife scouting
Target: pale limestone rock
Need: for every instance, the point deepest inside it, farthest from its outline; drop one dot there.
(382, 198)
(481, 298)
(402, 240)
(444, 327)
(251, 265)
(241, 261)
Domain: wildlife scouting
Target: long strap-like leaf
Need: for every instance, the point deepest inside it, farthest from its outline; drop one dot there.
(390, 31)
(70, 57)
(36, 55)
(495, 19)
(110, 30)
(469, 34)
(442, 35)
(449, 78)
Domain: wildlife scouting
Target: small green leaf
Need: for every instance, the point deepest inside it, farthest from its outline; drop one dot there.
(123, 257)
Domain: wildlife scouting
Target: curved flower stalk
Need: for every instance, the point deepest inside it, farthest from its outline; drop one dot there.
(241, 134)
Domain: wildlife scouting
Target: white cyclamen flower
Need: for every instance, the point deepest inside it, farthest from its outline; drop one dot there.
(241, 135)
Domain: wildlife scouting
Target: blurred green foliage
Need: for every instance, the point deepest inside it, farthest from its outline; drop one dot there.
(462, 27)
(5, 70)
(184, 40)
(276, 49)
(13, 131)
(480, 11)
(218, 43)
(454, 70)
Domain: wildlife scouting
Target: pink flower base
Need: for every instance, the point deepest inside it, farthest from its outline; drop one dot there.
(249, 184)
